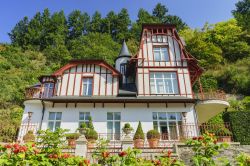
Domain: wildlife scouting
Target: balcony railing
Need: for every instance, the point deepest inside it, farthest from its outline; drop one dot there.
(212, 95)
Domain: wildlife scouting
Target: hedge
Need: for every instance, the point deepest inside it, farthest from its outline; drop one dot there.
(240, 124)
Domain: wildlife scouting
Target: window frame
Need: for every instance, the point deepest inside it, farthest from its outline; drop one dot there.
(81, 88)
(50, 89)
(113, 126)
(177, 82)
(161, 55)
(167, 120)
(54, 120)
(84, 120)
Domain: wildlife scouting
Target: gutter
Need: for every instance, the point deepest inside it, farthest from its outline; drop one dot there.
(43, 111)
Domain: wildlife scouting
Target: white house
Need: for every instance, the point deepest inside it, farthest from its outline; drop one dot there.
(154, 87)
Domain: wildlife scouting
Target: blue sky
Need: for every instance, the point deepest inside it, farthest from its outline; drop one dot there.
(194, 12)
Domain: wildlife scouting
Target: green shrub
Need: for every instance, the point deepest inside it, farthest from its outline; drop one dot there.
(29, 137)
(139, 134)
(72, 135)
(91, 134)
(153, 134)
(239, 122)
(91, 126)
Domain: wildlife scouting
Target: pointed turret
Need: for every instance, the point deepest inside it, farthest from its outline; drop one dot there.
(121, 61)
(124, 50)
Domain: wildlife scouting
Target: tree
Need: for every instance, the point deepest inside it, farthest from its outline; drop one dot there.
(229, 37)
(75, 24)
(18, 33)
(94, 46)
(242, 14)
(122, 25)
(159, 12)
(96, 22)
(177, 21)
(110, 24)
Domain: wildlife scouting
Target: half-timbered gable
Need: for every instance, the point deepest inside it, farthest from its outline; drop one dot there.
(163, 66)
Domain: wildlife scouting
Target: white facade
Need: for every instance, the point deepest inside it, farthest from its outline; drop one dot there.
(162, 73)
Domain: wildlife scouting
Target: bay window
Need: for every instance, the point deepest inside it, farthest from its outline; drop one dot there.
(163, 83)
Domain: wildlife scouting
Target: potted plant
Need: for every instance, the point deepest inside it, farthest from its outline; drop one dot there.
(91, 135)
(223, 134)
(29, 137)
(127, 129)
(83, 128)
(139, 137)
(71, 138)
(153, 137)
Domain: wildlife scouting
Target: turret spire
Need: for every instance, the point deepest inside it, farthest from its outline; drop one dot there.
(124, 50)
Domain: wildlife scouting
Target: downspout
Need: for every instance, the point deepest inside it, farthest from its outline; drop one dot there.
(43, 110)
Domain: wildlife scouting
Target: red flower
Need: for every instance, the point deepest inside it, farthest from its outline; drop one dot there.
(8, 146)
(36, 151)
(122, 154)
(33, 145)
(51, 156)
(16, 151)
(194, 138)
(87, 162)
(55, 156)
(23, 148)
(200, 138)
(105, 154)
(157, 162)
(66, 155)
(169, 153)
(16, 146)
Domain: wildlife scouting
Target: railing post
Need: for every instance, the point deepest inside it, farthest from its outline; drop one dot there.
(127, 142)
(81, 146)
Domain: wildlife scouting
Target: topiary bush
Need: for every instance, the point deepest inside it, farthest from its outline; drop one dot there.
(72, 135)
(153, 134)
(91, 135)
(239, 122)
(29, 137)
(139, 134)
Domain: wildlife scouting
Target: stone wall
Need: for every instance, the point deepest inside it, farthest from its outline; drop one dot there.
(185, 153)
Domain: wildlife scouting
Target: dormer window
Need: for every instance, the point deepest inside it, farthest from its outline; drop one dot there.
(48, 89)
(161, 53)
(87, 86)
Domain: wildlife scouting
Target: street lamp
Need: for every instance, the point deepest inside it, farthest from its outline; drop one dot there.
(29, 119)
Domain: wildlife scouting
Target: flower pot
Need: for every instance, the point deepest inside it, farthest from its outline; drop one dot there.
(82, 131)
(71, 143)
(139, 143)
(153, 143)
(224, 139)
(127, 131)
(91, 143)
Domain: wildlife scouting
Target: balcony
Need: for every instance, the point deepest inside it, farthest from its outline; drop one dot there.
(210, 104)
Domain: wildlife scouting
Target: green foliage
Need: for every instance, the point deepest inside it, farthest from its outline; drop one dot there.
(239, 122)
(10, 120)
(153, 134)
(22, 155)
(205, 148)
(51, 142)
(242, 14)
(139, 134)
(91, 135)
(72, 135)
(243, 159)
(90, 124)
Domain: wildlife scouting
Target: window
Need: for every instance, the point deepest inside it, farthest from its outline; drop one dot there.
(123, 68)
(84, 118)
(87, 86)
(169, 124)
(113, 125)
(163, 83)
(161, 54)
(48, 90)
(54, 120)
